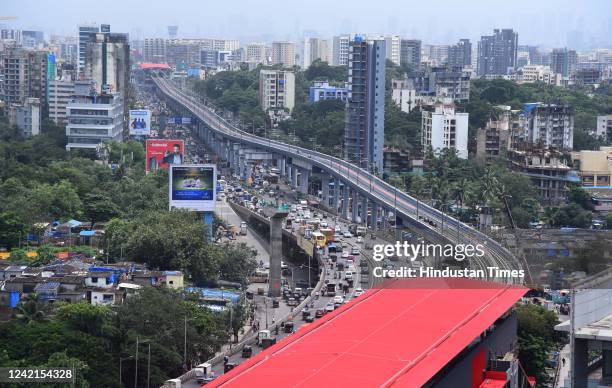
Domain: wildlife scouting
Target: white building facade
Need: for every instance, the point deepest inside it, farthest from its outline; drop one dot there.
(445, 128)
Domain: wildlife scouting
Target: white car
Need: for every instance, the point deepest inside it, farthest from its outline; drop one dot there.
(338, 299)
(359, 239)
(345, 255)
(329, 307)
(348, 275)
(323, 224)
(347, 234)
(358, 292)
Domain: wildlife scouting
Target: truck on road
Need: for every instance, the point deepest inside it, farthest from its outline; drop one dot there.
(243, 228)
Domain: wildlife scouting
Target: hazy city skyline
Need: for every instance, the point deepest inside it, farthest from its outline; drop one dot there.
(548, 23)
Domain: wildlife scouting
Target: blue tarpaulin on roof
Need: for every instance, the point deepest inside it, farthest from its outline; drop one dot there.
(87, 233)
(74, 223)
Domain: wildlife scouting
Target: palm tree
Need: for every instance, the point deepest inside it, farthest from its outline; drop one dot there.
(31, 310)
(460, 191)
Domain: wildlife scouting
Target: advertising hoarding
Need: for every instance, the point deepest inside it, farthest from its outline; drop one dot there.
(192, 187)
(140, 122)
(164, 152)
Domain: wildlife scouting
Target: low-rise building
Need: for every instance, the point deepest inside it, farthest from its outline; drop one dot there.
(546, 168)
(321, 90)
(537, 73)
(595, 167)
(26, 116)
(445, 128)
(276, 90)
(60, 93)
(100, 279)
(499, 134)
(93, 118)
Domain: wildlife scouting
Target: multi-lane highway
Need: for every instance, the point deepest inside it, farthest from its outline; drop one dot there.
(368, 185)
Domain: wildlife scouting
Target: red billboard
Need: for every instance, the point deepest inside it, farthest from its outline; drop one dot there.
(163, 152)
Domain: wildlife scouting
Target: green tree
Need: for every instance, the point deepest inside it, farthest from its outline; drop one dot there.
(99, 207)
(12, 230)
(31, 310)
(572, 215)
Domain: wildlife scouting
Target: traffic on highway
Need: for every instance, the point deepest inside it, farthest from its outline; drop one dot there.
(369, 185)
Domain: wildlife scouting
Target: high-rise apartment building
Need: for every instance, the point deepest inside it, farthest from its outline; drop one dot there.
(155, 50)
(25, 75)
(563, 61)
(497, 53)
(84, 33)
(438, 54)
(445, 128)
(393, 44)
(276, 90)
(60, 93)
(550, 126)
(315, 49)
(460, 54)
(283, 53)
(107, 62)
(340, 51)
(256, 53)
(364, 131)
(32, 39)
(410, 52)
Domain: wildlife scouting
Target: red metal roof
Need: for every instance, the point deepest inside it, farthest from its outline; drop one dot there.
(159, 66)
(399, 335)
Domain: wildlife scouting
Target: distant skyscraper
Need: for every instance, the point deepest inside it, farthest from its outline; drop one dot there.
(25, 75)
(563, 61)
(283, 53)
(107, 62)
(410, 52)
(497, 52)
(364, 131)
(460, 54)
(340, 52)
(315, 49)
(84, 32)
(393, 44)
(172, 31)
(155, 50)
(256, 53)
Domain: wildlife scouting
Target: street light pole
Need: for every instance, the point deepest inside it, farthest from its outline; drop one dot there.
(149, 365)
(136, 365)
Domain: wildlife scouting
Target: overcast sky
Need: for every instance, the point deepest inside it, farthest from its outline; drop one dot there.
(546, 22)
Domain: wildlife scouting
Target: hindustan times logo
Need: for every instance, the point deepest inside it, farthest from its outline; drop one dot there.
(413, 251)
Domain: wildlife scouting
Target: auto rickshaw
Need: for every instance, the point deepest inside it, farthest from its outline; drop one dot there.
(247, 351)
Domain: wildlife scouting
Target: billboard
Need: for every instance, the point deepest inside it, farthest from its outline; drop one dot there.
(164, 152)
(192, 186)
(140, 122)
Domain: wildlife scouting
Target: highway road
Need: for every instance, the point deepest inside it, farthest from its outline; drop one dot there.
(368, 184)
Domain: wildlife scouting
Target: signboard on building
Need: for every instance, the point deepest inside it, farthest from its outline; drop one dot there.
(105, 28)
(180, 120)
(164, 152)
(140, 122)
(192, 187)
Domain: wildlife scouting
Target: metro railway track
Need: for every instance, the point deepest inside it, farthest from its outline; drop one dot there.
(368, 184)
